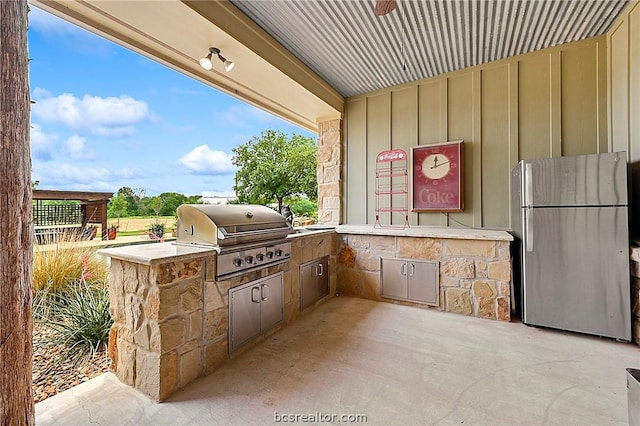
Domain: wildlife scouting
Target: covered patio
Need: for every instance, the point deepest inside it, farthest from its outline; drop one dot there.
(392, 364)
(514, 80)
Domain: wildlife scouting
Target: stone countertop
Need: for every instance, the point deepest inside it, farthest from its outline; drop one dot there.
(149, 254)
(310, 232)
(428, 231)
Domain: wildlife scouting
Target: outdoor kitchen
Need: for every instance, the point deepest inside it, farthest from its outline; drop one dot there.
(239, 273)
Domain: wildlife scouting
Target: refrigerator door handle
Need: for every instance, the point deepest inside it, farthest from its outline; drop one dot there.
(528, 185)
(528, 201)
(528, 229)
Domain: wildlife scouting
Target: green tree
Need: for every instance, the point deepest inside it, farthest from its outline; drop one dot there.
(172, 200)
(273, 167)
(132, 196)
(156, 204)
(117, 207)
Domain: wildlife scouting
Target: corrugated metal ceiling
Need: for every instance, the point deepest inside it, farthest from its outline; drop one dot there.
(358, 52)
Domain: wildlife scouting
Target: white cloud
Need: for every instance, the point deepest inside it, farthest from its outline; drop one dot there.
(42, 144)
(92, 114)
(54, 174)
(229, 193)
(75, 146)
(204, 160)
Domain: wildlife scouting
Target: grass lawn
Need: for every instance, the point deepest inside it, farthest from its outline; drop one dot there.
(137, 224)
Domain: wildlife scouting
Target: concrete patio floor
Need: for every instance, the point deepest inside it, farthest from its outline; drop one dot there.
(396, 365)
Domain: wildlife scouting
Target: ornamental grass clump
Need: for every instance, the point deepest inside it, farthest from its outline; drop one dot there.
(57, 265)
(71, 299)
(80, 319)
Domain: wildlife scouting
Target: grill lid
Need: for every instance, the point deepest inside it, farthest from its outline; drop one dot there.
(229, 224)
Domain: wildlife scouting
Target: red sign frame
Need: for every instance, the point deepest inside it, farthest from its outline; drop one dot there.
(437, 183)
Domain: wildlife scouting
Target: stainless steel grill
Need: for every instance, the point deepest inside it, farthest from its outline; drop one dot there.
(247, 237)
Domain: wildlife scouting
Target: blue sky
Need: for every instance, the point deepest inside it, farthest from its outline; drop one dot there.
(106, 117)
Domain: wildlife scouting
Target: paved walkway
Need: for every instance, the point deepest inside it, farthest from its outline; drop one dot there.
(396, 365)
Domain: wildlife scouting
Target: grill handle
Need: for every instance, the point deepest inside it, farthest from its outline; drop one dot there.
(268, 231)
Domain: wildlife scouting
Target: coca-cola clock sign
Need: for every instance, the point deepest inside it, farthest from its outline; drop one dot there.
(438, 177)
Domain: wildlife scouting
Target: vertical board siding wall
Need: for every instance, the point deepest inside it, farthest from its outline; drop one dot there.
(543, 104)
(624, 83)
(624, 99)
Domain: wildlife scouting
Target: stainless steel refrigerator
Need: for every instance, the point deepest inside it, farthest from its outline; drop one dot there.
(571, 228)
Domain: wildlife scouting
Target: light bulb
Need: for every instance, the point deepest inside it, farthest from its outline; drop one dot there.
(206, 62)
(228, 65)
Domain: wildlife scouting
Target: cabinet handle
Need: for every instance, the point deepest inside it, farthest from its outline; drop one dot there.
(403, 269)
(255, 297)
(413, 270)
(321, 267)
(265, 292)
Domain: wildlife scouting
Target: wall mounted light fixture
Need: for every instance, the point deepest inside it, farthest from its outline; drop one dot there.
(214, 51)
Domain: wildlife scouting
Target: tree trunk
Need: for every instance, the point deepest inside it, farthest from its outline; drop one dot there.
(16, 234)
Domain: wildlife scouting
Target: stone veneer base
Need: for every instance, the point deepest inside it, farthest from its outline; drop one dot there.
(171, 315)
(475, 265)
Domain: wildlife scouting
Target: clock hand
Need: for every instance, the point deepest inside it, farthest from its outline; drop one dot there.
(438, 165)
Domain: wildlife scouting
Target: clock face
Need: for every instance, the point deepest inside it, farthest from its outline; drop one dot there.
(438, 177)
(436, 166)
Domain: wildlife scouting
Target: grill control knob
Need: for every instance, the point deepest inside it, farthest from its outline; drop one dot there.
(238, 262)
(250, 259)
(269, 255)
(278, 252)
(260, 257)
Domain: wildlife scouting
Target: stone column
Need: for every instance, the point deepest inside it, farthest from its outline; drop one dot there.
(156, 339)
(330, 171)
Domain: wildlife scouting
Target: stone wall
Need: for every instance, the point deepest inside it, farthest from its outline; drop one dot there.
(475, 275)
(155, 341)
(171, 318)
(329, 171)
(635, 292)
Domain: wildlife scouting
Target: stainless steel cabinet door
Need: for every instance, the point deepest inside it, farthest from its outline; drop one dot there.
(422, 281)
(314, 281)
(244, 315)
(394, 278)
(271, 303)
(322, 277)
(576, 270)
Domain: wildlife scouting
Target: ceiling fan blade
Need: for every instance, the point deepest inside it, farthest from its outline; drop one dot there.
(384, 6)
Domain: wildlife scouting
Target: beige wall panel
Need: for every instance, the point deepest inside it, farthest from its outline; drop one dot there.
(431, 107)
(430, 113)
(460, 115)
(579, 74)
(518, 108)
(404, 118)
(404, 135)
(534, 107)
(356, 152)
(495, 146)
(619, 61)
(379, 139)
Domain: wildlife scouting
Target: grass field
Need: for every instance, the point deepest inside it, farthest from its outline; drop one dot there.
(137, 225)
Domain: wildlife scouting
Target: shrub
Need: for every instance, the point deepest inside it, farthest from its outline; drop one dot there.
(57, 265)
(79, 316)
(304, 207)
(156, 230)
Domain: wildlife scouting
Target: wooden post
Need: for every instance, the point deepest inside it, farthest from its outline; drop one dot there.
(16, 228)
